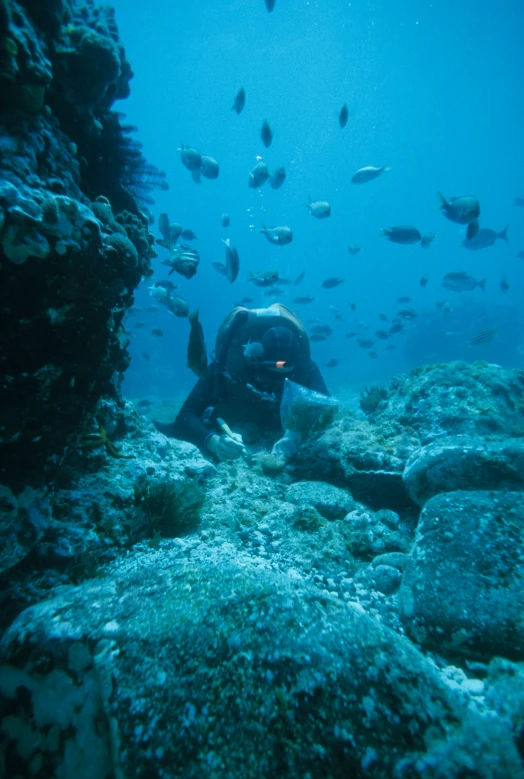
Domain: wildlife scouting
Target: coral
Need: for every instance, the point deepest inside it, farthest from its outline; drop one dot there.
(170, 507)
(371, 397)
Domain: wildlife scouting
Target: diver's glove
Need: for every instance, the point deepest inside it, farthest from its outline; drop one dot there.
(226, 447)
(288, 445)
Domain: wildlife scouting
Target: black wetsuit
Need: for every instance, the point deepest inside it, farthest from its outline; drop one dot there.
(233, 402)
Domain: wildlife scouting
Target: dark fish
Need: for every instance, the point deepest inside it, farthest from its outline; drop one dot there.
(152, 308)
(144, 403)
(273, 292)
(188, 235)
(304, 299)
(140, 325)
(353, 306)
(196, 347)
(461, 210)
(520, 255)
(195, 175)
(350, 335)
(190, 157)
(404, 299)
(332, 282)
(383, 317)
(396, 327)
(473, 230)
(266, 134)
(220, 267)
(485, 238)
(343, 116)
(300, 278)
(407, 313)
(365, 343)
(134, 310)
(354, 249)
(170, 232)
(322, 330)
(209, 167)
(404, 234)
(317, 337)
(277, 178)
(332, 363)
(184, 262)
(519, 201)
(382, 334)
(373, 354)
(266, 278)
(246, 300)
(504, 284)
(270, 4)
(177, 305)
(285, 280)
(460, 281)
(439, 304)
(225, 220)
(239, 101)
(232, 261)
(279, 236)
(427, 239)
(157, 332)
(484, 336)
(391, 347)
(423, 281)
(258, 175)
(146, 356)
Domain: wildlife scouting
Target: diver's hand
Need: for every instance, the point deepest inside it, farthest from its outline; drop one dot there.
(225, 447)
(288, 445)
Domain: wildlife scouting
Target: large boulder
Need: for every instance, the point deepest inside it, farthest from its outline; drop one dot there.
(216, 666)
(463, 586)
(465, 463)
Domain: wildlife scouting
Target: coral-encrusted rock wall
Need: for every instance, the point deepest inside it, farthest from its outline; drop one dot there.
(74, 242)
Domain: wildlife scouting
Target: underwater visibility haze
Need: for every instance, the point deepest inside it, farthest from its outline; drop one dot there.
(262, 392)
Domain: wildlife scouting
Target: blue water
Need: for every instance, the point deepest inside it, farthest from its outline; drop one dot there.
(434, 90)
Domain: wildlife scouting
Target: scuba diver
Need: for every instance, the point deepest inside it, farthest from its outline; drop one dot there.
(256, 350)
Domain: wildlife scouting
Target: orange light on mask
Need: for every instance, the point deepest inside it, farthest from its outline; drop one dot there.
(280, 364)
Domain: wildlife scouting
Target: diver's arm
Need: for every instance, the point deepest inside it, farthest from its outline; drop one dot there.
(316, 380)
(188, 425)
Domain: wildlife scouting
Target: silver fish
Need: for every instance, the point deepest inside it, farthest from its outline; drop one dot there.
(460, 281)
(225, 220)
(461, 210)
(319, 209)
(258, 175)
(209, 167)
(239, 101)
(277, 178)
(403, 234)
(232, 261)
(279, 236)
(353, 249)
(486, 238)
(427, 239)
(363, 175)
(190, 157)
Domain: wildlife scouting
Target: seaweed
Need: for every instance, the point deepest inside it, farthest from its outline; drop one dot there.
(371, 397)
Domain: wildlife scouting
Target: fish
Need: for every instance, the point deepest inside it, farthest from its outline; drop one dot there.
(177, 305)
(152, 308)
(146, 356)
(504, 284)
(279, 236)
(473, 230)
(485, 238)
(195, 175)
(156, 331)
(258, 175)
(407, 313)
(520, 255)
(300, 278)
(273, 292)
(354, 249)
(353, 306)
(246, 300)
(350, 335)
(219, 267)
(232, 261)
(162, 291)
(322, 329)
(396, 327)
(382, 334)
(343, 116)
(460, 281)
(439, 304)
(190, 157)
(461, 210)
(484, 336)
(184, 262)
(163, 225)
(519, 201)
(383, 317)
(427, 240)
(277, 178)
(363, 175)
(225, 220)
(423, 281)
(320, 209)
(209, 167)
(373, 354)
(134, 310)
(404, 234)
(239, 101)
(266, 134)
(390, 347)
(285, 280)
(170, 232)
(304, 299)
(447, 308)
(317, 337)
(196, 347)
(139, 325)
(332, 282)
(332, 363)
(145, 403)
(266, 278)
(188, 235)
(365, 343)
(270, 4)
(404, 299)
